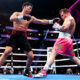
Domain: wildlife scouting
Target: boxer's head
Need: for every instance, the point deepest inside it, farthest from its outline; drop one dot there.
(63, 13)
(27, 7)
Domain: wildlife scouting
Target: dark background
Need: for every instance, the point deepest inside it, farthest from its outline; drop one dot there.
(43, 9)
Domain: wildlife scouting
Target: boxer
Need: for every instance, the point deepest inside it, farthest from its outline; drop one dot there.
(64, 43)
(21, 21)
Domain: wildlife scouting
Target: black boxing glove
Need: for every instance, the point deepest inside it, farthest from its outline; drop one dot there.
(28, 17)
(54, 20)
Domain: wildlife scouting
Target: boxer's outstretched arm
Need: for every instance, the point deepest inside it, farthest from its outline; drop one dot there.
(40, 21)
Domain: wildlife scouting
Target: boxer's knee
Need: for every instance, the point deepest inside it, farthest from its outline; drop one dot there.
(30, 54)
(79, 63)
(7, 51)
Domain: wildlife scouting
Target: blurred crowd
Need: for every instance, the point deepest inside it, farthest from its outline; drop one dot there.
(11, 71)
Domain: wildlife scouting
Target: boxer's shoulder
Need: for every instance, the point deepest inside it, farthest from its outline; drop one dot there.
(17, 13)
(70, 18)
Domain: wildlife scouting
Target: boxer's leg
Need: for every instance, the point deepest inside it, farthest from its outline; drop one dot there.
(5, 55)
(30, 57)
(75, 59)
(50, 60)
(43, 72)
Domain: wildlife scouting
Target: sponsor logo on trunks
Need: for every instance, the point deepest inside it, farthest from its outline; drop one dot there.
(72, 51)
(60, 46)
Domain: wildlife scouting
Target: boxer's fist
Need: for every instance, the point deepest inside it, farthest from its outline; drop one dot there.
(27, 17)
(56, 26)
(58, 20)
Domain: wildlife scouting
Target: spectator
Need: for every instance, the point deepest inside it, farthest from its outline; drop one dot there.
(11, 72)
(35, 71)
(4, 71)
(7, 70)
(77, 71)
(19, 72)
(69, 71)
(1, 71)
(23, 71)
(52, 72)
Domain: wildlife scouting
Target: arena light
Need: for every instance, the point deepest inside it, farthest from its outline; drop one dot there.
(31, 30)
(30, 38)
(2, 41)
(49, 39)
(73, 5)
(5, 35)
(75, 10)
(51, 31)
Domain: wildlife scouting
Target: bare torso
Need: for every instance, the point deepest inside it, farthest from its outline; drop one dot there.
(20, 25)
(69, 22)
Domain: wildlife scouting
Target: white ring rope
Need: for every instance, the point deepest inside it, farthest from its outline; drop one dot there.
(25, 61)
(39, 60)
(76, 49)
(39, 49)
(60, 66)
(76, 43)
(20, 54)
(32, 49)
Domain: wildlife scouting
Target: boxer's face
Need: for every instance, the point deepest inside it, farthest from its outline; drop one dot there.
(63, 15)
(28, 9)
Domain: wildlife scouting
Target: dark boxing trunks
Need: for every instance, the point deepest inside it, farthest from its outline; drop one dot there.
(18, 40)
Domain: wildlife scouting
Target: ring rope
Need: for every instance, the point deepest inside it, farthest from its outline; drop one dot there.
(60, 66)
(32, 49)
(39, 60)
(38, 49)
(20, 54)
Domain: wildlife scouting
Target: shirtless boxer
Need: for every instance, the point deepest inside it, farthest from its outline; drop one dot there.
(21, 21)
(64, 43)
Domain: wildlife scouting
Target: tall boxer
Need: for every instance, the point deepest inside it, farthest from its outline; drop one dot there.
(21, 21)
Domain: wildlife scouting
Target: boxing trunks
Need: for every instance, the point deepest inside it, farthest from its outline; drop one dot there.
(64, 44)
(18, 39)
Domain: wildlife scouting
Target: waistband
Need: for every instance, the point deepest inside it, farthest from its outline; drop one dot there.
(64, 35)
(14, 32)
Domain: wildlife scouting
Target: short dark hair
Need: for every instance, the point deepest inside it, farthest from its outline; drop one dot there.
(63, 10)
(27, 4)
